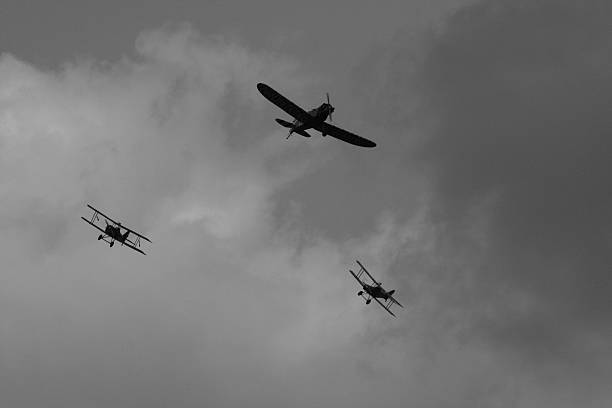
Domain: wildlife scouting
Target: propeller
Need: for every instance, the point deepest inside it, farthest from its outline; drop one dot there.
(331, 108)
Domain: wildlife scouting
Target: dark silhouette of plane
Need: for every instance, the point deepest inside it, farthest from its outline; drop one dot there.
(313, 119)
(112, 232)
(374, 291)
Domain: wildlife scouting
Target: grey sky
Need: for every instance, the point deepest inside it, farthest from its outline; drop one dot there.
(486, 204)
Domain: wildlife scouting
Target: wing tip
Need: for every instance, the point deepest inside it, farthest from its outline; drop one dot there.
(366, 143)
(261, 87)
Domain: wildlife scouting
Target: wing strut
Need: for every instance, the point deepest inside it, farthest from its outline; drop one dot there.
(368, 273)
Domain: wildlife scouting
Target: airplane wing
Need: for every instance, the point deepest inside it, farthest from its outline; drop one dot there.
(133, 247)
(104, 232)
(344, 135)
(284, 103)
(384, 307)
(104, 215)
(395, 301)
(93, 225)
(135, 233)
(366, 271)
(355, 276)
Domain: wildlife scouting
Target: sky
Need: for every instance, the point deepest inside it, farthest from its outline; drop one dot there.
(486, 205)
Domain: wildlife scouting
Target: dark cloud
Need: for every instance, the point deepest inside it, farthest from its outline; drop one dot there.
(485, 205)
(226, 309)
(517, 98)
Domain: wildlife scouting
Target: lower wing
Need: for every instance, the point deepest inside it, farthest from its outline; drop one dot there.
(396, 302)
(384, 307)
(344, 135)
(133, 247)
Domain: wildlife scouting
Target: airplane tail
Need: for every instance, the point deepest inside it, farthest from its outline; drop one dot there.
(284, 123)
(289, 125)
(302, 133)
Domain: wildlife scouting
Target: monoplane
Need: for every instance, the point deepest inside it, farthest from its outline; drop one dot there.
(313, 119)
(374, 291)
(112, 231)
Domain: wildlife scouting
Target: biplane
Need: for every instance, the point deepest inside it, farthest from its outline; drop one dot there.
(112, 231)
(374, 291)
(313, 119)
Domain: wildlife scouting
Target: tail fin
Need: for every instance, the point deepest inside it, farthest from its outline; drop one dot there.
(284, 123)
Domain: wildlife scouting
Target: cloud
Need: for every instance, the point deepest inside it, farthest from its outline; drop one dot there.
(503, 110)
(232, 305)
(520, 95)
(513, 131)
(146, 141)
(481, 206)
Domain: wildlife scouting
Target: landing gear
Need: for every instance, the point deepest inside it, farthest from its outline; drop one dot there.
(99, 237)
(360, 293)
(112, 243)
(368, 301)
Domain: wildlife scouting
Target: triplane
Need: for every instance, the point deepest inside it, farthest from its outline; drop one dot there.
(313, 119)
(374, 291)
(112, 232)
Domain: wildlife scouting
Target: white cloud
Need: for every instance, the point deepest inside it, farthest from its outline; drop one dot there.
(225, 293)
(233, 305)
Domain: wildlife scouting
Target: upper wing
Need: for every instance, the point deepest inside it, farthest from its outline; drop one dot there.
(104, 215)
(283, 103)
(366, 271)
(355, 276)
(344, 135)
(384, 307)
(135, 233)
(94, 225)
(114, 222)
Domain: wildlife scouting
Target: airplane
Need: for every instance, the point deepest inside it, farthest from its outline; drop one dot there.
(112, 231)
(374, 291)
(313, 119)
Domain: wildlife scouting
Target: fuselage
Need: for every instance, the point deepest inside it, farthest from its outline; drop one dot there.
(319, 115)
(376, 291)
(115, 233)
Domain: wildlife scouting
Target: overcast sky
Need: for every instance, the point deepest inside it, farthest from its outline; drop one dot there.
(487, 204)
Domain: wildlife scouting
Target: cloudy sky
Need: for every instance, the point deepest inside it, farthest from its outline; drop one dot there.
(487, 204)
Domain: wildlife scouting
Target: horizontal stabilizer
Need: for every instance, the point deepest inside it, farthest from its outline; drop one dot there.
(302, 133)
(284, 123)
